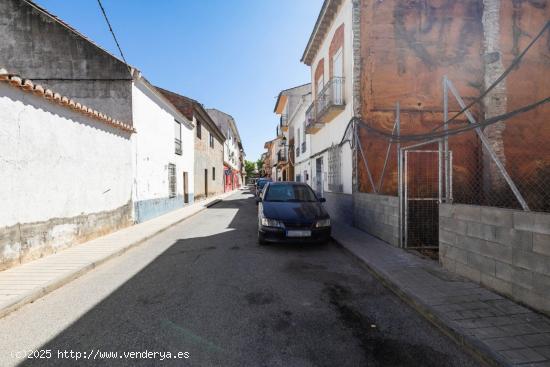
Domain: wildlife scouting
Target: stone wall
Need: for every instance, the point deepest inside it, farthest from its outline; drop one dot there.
(506, 250)
(377, 215)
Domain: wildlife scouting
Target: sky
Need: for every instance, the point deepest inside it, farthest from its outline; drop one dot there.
(233, 55)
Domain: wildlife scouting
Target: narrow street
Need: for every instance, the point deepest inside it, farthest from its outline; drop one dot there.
(207, 288)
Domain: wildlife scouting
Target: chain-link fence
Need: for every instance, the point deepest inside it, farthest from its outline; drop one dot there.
(505, 164)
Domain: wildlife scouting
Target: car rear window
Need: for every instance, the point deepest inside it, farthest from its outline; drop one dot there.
(290, 193)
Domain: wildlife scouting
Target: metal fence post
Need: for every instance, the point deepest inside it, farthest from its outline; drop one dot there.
(448, 167)
(399, 173)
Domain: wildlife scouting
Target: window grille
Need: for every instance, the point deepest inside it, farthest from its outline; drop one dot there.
(334, 169)
(177, 137)
(171, 180)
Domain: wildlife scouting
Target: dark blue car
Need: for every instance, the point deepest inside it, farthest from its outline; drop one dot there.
(260, 185)
(291, 212)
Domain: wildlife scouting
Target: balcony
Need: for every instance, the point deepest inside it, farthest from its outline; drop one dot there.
(279, 131)
(284, 123)
(312, 125)
(281, 156)
(178, 146)
(329, 103)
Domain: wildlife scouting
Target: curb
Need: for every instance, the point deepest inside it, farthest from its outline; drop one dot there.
(473, 346)
(40, 292)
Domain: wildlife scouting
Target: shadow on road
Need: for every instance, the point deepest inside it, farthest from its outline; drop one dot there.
(230, 302)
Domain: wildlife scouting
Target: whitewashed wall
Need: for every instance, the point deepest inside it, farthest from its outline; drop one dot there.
(333, 132)
(153, 150)
(64, 177)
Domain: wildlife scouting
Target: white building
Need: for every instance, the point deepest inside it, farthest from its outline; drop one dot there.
(66, 171)
(163, 153)
(329, 53)
(233, 156)
(291, 105)
(302, 141)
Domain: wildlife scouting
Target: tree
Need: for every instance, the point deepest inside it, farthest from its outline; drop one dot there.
(260, 164)
(250, 168)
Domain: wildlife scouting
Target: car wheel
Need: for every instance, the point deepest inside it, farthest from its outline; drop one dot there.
(261, 240)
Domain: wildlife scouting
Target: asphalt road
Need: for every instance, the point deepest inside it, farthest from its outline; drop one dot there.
(206, 287)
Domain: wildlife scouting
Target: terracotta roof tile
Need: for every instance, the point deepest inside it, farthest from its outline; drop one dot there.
(28, 86)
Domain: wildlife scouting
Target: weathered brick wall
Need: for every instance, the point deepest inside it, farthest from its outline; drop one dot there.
(377, 215)
(506, 250)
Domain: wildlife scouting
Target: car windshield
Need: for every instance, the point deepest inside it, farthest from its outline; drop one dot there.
(290, 193)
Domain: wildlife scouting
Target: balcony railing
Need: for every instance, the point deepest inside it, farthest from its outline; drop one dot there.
(329, 103)
(311, 118)
(178, 146)
(281, 156)
(279, 131)
(283, 123)
(331, 96)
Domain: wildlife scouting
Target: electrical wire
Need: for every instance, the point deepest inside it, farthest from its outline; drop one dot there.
(511, 67)
(114, 36)
(435, 133)
(442, 134)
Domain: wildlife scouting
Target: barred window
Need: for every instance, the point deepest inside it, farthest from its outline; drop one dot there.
(171, 180)
(335, 169)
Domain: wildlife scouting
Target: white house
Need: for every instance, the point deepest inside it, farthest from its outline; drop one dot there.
(163, 153)
(329, 54)
(293, 158)
(233, 155)
(66, 171)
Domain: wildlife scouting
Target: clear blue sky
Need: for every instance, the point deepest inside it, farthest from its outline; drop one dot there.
(234, 55)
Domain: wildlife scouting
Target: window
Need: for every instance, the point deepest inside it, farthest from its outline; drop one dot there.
(298, 178)
(199, 130)
(334, 169)
(213, 173)
(298, 136)
(171, 180)
(289, 193)
(177, 139)
(211, 140)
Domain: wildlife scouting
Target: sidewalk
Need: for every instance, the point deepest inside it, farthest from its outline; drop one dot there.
(30, 281)
(496, 329)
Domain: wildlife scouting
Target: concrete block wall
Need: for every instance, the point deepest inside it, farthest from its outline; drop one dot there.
(339, 206)
(377, 215)
(505, 250)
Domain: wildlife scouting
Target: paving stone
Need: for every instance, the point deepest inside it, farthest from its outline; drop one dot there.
(507, 328)
(505, 343)
(525, 355)
(489, 332)
(545, 351)
(535, 340)
(519, 329)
